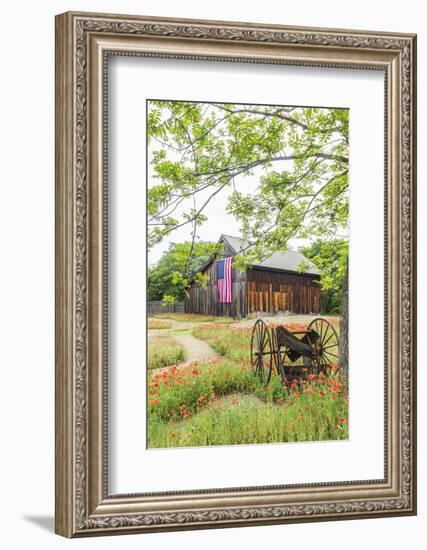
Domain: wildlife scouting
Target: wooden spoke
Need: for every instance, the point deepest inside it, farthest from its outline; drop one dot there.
(261, 352)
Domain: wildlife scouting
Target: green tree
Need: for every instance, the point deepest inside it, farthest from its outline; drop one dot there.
(170, 276)
(330, 257)
(298, 155)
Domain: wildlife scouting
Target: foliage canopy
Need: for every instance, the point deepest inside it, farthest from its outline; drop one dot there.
(297, 155)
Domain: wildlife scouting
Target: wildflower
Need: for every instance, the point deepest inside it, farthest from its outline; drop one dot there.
(182, 407)
(343, 420)
(172, 435)
(155, 401)
(322, 393)
(296, 394)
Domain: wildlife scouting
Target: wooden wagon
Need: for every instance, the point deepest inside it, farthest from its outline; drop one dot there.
(294, 354)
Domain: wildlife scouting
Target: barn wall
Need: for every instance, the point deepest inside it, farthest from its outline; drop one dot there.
(273, 292)
(204, 299)
(256, 291)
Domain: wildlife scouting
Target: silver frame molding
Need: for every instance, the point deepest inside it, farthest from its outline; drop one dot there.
(83, 43)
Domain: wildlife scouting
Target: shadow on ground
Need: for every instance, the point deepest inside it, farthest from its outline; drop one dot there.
(44, 522)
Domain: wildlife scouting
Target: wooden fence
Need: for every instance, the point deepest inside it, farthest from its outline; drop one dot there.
(157, 307)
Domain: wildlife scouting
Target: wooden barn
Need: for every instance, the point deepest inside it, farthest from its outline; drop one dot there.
(272, 286)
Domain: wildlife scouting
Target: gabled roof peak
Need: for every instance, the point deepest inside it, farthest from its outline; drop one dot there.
(288, 260)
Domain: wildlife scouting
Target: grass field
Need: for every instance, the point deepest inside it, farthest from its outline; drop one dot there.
(158, 323)
(221, 402)
(193, 318)
(164, 351)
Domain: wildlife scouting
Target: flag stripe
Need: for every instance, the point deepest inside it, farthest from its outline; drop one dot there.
(224, 280)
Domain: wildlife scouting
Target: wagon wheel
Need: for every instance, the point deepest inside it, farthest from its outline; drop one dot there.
(261, 352)
(324, 341)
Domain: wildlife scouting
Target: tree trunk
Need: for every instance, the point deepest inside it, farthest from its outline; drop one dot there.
(343, 343)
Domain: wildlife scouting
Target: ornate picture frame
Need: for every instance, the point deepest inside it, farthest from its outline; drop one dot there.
(84, 42)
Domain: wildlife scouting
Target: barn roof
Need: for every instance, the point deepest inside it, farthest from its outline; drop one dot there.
(283, 261)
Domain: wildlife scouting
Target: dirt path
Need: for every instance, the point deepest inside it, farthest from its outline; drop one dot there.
(195, 349)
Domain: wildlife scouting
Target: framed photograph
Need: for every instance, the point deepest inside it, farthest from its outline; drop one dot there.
(235, 274)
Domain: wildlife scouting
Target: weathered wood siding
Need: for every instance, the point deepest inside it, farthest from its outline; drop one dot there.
(256, 291)
(272, 292)
(205, 299)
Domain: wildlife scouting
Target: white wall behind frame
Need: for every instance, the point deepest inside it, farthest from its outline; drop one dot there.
(26, 302)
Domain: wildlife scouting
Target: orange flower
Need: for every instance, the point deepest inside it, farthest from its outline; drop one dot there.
(155, 401)
(296, 394)
(322, 393)
(182, 407)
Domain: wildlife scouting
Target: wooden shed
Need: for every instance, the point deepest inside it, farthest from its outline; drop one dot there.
(272, 286)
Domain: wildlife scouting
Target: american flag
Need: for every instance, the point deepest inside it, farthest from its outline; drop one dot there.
(224, 280)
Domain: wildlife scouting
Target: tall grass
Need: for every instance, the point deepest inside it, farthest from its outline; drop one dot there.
(243, 420)
(222, 402)
(184, 401)
(158, 323)
(164, 351)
